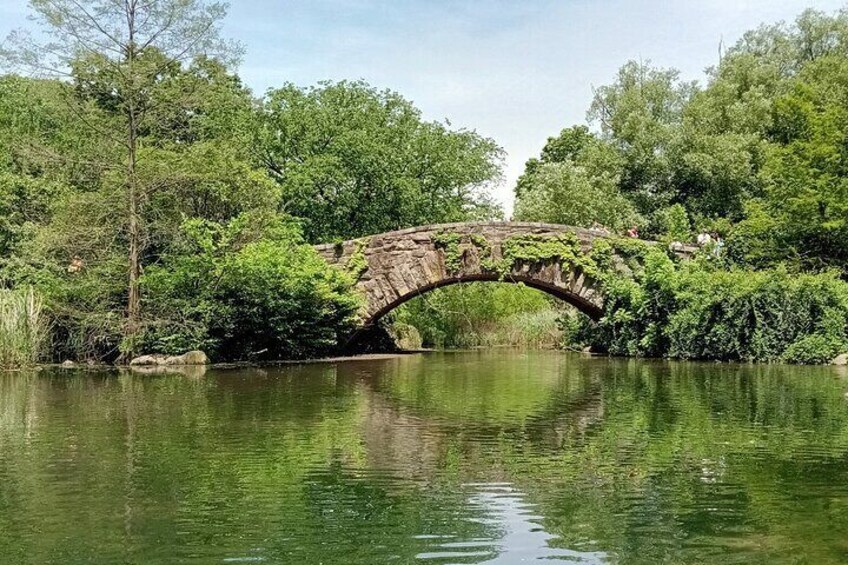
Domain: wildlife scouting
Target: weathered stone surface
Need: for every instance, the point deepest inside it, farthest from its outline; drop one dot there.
(189, 358)
(405, 263)
(406, 337)
(148, 360)
(840, 359)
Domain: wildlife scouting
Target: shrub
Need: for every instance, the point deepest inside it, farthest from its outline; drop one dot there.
(698, 311)
(574, 328)
(238, 291)
(280, 301)
(814, 349)
(405, 336)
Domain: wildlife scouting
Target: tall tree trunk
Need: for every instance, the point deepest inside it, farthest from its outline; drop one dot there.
(134, 256)
(134, 199)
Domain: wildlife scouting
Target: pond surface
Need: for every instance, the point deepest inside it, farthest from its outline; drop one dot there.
(491, 457)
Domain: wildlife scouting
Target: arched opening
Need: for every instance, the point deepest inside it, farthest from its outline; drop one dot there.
(480, 310)
(581, 304)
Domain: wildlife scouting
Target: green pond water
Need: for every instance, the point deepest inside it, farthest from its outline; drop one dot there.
(490, 457)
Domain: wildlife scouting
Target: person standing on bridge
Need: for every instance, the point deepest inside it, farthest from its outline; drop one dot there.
(718, 246)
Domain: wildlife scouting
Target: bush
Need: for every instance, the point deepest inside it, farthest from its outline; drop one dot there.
(405, 336)
(280, 301)
(814, 349)
(576, 329)
(272, 297)
(697, 311)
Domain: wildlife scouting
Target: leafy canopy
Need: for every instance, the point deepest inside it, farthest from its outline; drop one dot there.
(354, 161)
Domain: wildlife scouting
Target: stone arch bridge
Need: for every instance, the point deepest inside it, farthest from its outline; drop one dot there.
(394, 267)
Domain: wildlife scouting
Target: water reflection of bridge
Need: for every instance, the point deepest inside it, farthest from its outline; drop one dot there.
(416, 443)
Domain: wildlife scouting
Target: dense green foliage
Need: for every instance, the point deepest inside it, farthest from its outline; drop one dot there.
(354, 161)
(760, 147)
(154, 203)
(698, 310)
(74, 251)
(249, 289)
(566, 193)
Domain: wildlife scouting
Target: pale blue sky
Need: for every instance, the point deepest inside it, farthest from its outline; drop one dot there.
(515, 71)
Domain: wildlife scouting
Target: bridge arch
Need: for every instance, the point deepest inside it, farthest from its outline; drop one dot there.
(394, 267)
(590, 309)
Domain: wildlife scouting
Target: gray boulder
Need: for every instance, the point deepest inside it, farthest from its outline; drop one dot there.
(840, 359)
(405, 336)
(189, 358)
(148, 360)
(193, 371)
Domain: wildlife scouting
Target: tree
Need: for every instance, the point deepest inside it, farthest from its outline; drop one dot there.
(30, 179)
(805, 173)
(640, 114)
(565, 193)
(576, 145)
(353, 161)
(119, 55)
(575, 181)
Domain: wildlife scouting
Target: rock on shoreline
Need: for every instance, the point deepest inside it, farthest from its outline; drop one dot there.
(189, 358)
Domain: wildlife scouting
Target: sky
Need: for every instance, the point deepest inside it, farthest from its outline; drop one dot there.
(516, 71)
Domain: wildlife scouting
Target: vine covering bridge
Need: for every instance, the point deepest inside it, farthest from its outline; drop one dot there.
(394, 267)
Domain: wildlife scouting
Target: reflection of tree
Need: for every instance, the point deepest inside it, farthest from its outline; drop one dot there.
(690, 456)
(357, 516)
(124, 464)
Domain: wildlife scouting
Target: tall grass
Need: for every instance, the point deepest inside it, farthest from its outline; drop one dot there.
(484, 315)
(23, 327)
(538, 330)
(532, 330)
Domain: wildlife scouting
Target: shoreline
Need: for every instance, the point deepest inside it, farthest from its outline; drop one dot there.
(162, 369)
(222, 366)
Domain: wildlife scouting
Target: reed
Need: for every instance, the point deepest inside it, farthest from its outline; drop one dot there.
(23, 327)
